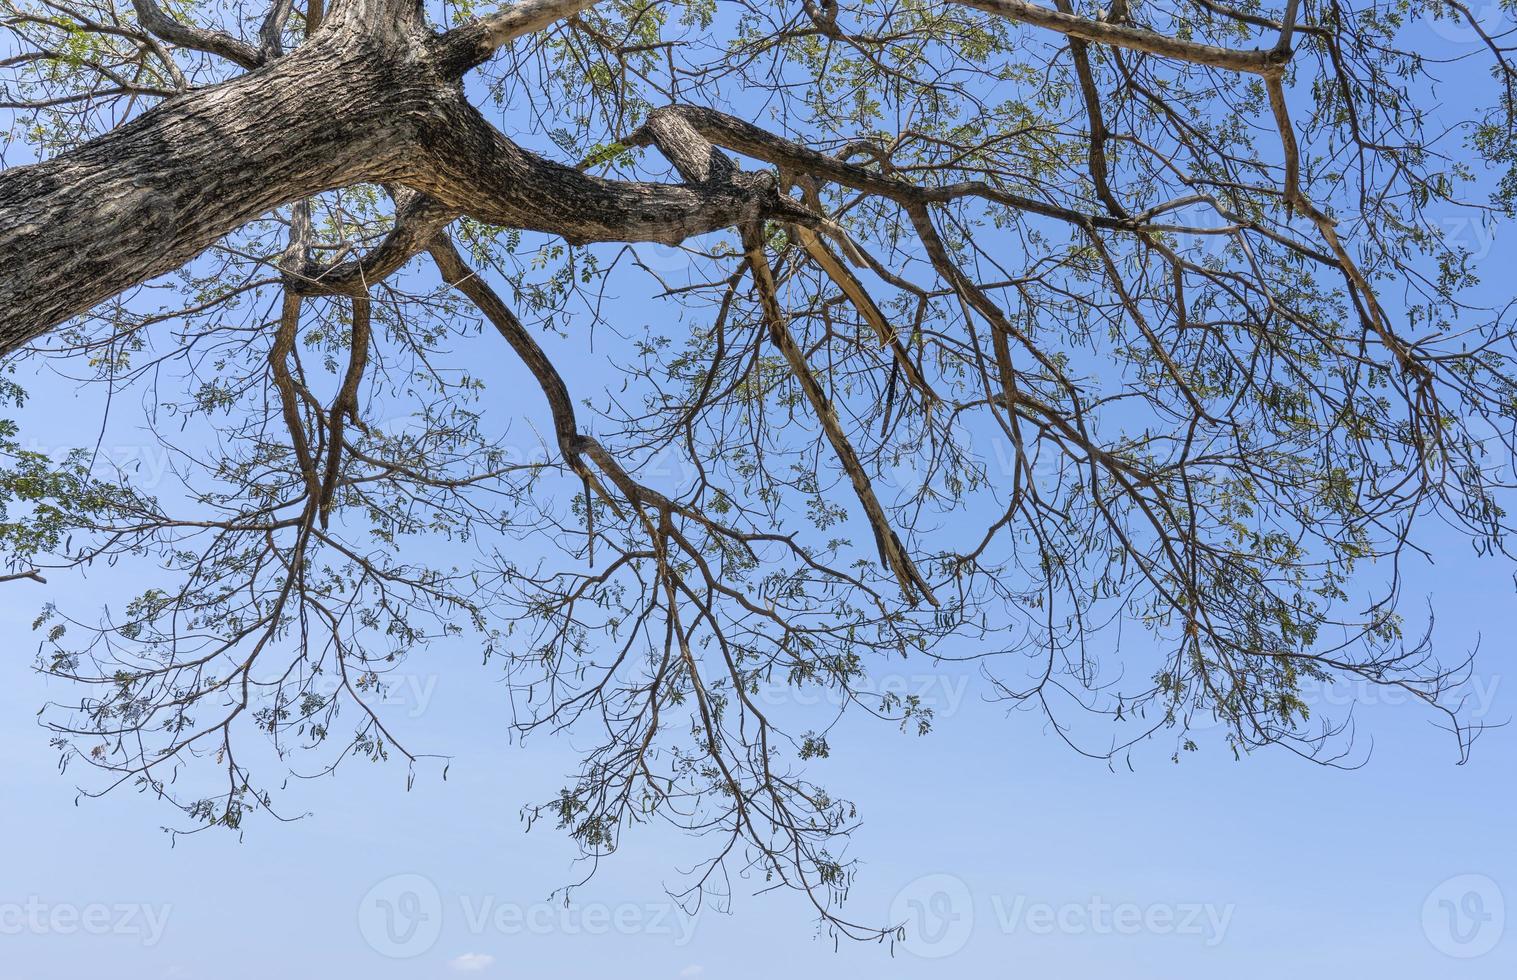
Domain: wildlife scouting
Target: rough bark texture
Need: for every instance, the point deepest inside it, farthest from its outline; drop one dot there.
(373, 97)
(474, 168)
(146, 198)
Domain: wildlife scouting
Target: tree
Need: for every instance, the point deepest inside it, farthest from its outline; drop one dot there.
(990, 326)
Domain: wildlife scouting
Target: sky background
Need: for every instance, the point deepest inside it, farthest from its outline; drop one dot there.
(1007, 854)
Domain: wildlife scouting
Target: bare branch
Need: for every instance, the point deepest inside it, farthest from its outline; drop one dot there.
(470, 44)
(1257, 62)
(153, 18)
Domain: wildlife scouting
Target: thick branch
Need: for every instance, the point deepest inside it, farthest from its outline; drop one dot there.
(153, 18)
(271, 32)
(471, 44)
(743, 137)
(474, 168)
(1257, 62)
(417, 219)
(572, 444)
(149, 196)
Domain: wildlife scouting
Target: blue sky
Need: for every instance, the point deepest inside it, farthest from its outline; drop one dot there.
(1007, 854)
(1011, 855)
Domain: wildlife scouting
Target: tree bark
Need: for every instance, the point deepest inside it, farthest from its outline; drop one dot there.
(148, 197)
(372, 97)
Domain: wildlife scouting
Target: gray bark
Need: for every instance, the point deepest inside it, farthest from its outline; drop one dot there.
(147, 197)
(372, 97)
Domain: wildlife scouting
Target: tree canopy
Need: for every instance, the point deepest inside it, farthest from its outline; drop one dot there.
(860, 330)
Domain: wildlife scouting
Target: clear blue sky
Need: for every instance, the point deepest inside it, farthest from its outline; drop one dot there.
(1309, 872)
(1010, 855)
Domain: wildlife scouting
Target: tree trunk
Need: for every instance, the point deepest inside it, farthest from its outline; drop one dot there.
(372, 97)
(148, 197)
